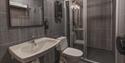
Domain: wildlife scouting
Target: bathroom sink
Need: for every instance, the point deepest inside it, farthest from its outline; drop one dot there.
(27, 51)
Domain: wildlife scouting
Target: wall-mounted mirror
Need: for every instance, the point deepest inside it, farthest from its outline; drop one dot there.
(25, 13)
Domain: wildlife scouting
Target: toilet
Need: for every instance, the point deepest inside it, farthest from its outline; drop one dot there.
(71, 55)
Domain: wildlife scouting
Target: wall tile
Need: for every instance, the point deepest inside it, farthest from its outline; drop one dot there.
(4, 54)
(3, 5)
(4, 37)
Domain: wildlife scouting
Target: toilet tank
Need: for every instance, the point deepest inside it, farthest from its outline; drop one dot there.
(63, 43)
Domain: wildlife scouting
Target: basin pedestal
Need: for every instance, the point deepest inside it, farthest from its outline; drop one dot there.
(35, 61)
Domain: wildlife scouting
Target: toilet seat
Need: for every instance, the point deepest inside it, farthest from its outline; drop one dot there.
(73, 52)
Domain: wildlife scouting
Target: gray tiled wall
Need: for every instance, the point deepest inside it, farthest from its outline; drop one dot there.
(99, 24)
(10, 37)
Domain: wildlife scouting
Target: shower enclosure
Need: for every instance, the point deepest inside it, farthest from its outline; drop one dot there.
(76, 24)
(89, 23)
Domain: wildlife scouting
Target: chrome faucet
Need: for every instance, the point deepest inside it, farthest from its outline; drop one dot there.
(33, 41)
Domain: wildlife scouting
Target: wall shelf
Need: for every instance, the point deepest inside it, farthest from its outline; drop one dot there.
(18, 5)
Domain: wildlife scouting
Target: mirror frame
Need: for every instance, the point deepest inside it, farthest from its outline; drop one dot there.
(9, 18)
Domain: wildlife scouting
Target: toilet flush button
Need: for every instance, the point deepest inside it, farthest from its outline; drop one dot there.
(73, 52)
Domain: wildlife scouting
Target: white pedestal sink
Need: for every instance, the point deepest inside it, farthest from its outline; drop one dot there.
(27, 51)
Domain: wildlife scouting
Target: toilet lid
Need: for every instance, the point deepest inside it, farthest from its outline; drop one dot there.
(73, 52)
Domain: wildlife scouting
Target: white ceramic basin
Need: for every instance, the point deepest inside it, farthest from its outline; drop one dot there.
(28, 51)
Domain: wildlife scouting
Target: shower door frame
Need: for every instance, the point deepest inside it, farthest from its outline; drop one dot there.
(84, 16)
(67, 21)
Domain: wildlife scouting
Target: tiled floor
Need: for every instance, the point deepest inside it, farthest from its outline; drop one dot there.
(101, 56)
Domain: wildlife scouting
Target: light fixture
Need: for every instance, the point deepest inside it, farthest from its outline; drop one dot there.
(75, 6)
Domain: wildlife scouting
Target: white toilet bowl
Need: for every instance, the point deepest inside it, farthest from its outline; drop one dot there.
(71, 55)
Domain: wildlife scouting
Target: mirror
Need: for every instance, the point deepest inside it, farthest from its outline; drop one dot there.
(25, 13)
